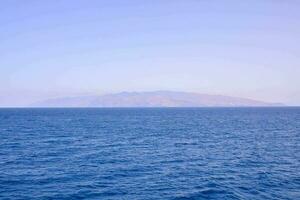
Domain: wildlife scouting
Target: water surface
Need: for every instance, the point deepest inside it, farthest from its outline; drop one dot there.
(174, 153)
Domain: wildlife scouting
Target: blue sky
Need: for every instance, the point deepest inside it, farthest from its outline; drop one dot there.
(65, 48)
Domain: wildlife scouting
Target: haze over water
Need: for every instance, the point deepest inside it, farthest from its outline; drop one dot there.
(53, 49)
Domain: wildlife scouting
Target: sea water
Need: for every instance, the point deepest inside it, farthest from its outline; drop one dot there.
(150, 153)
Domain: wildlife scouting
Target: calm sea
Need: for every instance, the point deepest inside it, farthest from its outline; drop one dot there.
(175, 153)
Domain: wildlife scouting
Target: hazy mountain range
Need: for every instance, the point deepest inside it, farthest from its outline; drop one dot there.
(152, 99)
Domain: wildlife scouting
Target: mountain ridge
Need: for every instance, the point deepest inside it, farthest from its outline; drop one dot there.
(153, 99)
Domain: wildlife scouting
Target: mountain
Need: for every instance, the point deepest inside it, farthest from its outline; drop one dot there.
(153, 99)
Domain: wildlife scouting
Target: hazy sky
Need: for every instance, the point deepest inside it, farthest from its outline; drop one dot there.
(65, 48)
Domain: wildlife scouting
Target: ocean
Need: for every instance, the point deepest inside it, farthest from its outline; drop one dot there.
(150, 153)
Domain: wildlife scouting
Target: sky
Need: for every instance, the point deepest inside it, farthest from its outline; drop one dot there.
(56, 48)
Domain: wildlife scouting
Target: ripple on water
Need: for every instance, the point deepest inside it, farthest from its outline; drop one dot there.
(205, 153)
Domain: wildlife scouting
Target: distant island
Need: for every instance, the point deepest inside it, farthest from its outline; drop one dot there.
(153, 99)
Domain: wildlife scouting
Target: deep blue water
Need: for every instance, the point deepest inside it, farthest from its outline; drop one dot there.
(195, 153)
